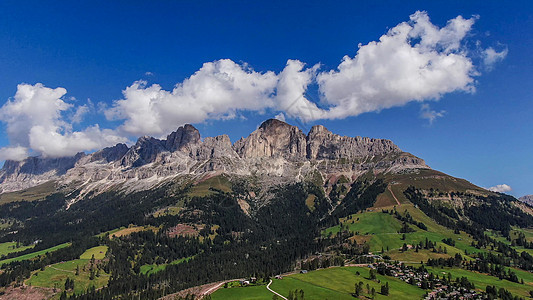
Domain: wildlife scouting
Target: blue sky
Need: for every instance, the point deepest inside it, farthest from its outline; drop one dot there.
(96, 50)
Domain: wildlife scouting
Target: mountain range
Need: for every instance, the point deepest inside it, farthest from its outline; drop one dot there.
(163, 217)
(276, 152)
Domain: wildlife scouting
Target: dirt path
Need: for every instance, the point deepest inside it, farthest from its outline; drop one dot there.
(199, 291)
(390, 190)
(51, 266)
(276, 293)
(216, 287)
(61, 269)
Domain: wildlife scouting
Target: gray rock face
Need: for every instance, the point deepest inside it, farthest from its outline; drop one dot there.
(273, 139)
(17, 175)
(275, 150)
(110, 154)
(528, 199)
(38, 165)
(184, 137)
(143, 152)
(323, 144)
(216, 147)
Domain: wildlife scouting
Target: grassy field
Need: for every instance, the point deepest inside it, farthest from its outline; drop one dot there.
(481, 280)
(34, 254)
(332, 283)
(151, 269)
(258, 292)
(55, 276)
(381, 232)
(10, 247)
(203, 188)
(514, 235)
(338, 283)
(168, 211)
(123, 231)
(98, 252)
(38, 192)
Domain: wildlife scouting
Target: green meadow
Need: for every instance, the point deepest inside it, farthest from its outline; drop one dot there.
(482, 280)
(33, 254)
(331, 283)
(381, 232)
(338, 283)
(10, 247)
(54, 276)
(151, 269)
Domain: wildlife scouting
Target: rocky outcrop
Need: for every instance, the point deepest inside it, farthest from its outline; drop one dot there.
(110, 154)
(32, 171)
(273, 138)
(216, 147)
(323, 144)
(186, 138)
(143, 152)
(528, 199)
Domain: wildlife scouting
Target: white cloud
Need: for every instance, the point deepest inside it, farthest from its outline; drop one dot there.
(280, 117)
(500, 188)
(13, 153)
(35, 121)
(431, 115)
(215, 91)
(80, 112)
(149, 74)
(291, 88)
(414, 61)
(491, 56)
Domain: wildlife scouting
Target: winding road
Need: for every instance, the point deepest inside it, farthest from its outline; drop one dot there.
(276, 293)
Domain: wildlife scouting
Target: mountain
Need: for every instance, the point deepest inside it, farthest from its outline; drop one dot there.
(167, 216)
(528, 199)
(276, 152)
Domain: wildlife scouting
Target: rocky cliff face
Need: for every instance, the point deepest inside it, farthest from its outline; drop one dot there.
(528, 199)
(323, 144)
(276, 151)
(273, 139)
(18, 175)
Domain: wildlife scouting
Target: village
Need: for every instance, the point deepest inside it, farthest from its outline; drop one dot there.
(441, 287)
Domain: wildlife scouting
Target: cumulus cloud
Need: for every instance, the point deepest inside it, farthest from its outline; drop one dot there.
(500, 188)
(215, 91)
(431, 115)
(414, 61)
(35, 121)
(291, 89)
(491, 56)
(280, 117)
(13, 153)
(80, 112)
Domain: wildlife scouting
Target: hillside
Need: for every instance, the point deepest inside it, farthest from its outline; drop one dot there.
(165, 216)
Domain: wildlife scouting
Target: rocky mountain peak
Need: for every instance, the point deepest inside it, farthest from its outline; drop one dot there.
(184, 136)
(273, 124)
(110, 154)
(323, 144)
(318, 130)
(144, 151)
(17, 175)
(273, 138)
(527, 199)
